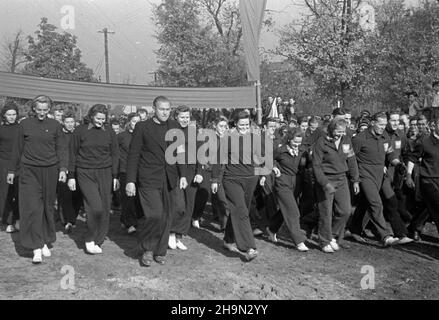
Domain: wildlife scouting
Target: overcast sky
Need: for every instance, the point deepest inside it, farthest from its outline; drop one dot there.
(131, 47)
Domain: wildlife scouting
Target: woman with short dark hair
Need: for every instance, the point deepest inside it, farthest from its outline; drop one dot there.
(289, 159)
(94, 159)
(8, 193)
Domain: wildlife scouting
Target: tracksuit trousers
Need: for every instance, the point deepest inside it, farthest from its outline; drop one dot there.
(8, 196)
(130, 205)
(334, 209)
(69, 203)
(96, 186)
(239, 193)
(37, 194)
(370, 202)
(157, 205)
(288, 210)
(183, 208)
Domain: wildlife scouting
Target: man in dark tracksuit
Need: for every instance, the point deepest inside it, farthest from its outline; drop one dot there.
(333, 156)
(393, 200)
(130, 205)
(370, 148)
(155, 179)
(306, 182)
(427, 149)
(415, 201)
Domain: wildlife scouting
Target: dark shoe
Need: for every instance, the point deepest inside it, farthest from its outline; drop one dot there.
(68, 228)
(146, 259)
(357, 238)
(159, 260)
(416, 236)
(368, 234)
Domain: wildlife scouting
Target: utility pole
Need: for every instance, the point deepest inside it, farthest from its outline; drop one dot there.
(107, 64)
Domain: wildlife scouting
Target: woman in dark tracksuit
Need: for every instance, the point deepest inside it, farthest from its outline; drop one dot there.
(8, 193)
(94, 160)
(69, 202)
(130, 205)
(289, 158)
(190, 179)
(40, 160)
(239, 182)
(332, 157)
(219, 202)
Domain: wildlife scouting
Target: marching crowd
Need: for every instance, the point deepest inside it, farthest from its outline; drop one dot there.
(330, 176)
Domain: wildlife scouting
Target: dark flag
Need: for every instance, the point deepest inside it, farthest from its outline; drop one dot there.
(252, 15)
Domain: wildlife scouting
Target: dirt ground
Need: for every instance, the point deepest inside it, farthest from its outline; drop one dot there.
(206, 271)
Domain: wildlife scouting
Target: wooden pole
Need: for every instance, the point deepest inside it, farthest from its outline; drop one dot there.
(258, 101)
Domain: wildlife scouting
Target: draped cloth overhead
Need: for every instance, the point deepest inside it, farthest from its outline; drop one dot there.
(252, 15)
(22, 86)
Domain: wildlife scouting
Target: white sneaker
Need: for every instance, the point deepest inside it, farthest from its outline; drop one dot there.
(390, 241)
(328, 249)
(180, 245)
(196, 224)
(131, 230)
(17, 225)
(302, 247)
(37, 256)
(90, 247)
(405, 240)
(251, 254)
(334, 245)
(10, 229)
(172, 243)
(272, 236)
(46, 252)
(98, 249)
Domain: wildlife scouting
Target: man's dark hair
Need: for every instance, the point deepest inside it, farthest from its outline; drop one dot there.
(379, 115)
(313, 120)
(338, 112)
(291, 134)
(271, 119)
(336, 123)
